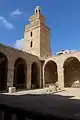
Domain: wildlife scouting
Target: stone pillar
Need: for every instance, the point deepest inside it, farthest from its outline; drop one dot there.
(42, 74)
(43, 79)
(28, 76)
(10, 76)
(39, 77)
(61, 77)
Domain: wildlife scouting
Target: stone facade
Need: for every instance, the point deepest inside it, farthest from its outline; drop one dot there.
(12, 55)
(35, 67)
(65, 62)
(37, 36)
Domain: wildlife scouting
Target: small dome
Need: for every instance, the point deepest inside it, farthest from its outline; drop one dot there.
(37, 9)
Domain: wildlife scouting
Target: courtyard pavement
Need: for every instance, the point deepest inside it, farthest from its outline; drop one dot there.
(64, 103)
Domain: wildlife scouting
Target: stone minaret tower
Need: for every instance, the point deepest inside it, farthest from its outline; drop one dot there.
(37, 36)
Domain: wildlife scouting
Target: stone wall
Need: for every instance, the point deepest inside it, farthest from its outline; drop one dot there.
(60, 60)
(12, 55)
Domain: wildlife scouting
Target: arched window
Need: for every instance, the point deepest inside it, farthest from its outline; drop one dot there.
(39, 11)
(31, 44)
(31, 34)
(36, 11)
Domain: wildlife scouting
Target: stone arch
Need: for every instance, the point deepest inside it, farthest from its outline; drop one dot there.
(3, 71)
(71, 72)
(50, 73)
(20, 74)
(35, 75)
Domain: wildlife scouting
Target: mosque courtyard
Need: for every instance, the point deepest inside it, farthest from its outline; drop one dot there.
(63, 103)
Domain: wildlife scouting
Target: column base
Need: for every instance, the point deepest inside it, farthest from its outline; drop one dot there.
(12, 89)
(61, 86)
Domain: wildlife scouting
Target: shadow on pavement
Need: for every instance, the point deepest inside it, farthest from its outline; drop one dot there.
(41, 106)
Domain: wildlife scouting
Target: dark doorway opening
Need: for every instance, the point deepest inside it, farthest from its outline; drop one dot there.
(71, 72)
(20, 72)
(50, 73)
(35, 76)
(3, 72)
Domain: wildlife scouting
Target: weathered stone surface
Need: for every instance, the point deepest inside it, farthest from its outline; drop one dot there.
(40, 36)
(12, 55)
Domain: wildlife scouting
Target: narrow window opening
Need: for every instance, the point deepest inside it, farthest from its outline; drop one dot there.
(36, 11)
(31, 34)
(31, 44)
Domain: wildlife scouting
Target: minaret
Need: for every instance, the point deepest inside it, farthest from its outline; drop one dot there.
(37, 35)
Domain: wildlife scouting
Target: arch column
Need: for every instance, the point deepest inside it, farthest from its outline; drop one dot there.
(10, 76)
(41, 75)
(3, 71)
(61, 77)
(28, 76)
(43, 78)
